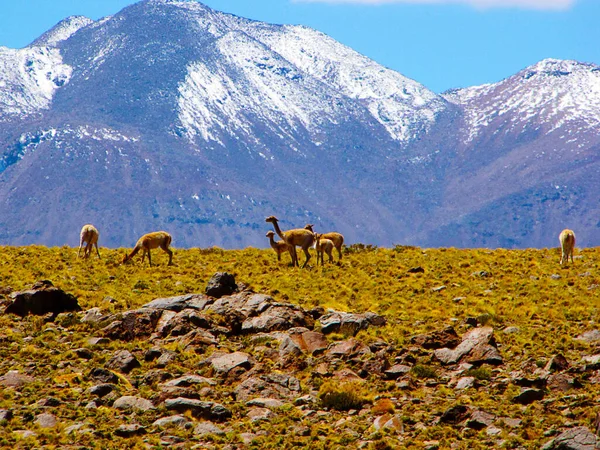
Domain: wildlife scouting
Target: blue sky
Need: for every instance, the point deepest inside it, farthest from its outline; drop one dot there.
(441, 43)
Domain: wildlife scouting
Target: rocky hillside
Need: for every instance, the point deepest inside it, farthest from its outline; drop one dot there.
(170, 115)
(393, 348)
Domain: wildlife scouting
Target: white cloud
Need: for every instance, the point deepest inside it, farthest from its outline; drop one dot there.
(480, 4)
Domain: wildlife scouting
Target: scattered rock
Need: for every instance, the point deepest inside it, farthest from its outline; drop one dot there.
(171, 421)
(221, 284)
(199, 409)
(477, 347)
(465, 383)
(579, 438)
(135, 324)
(438, 339)
(130, 430)
(348, 349)
(528, 396)
(46, 420)
(130, 402)
(348, 323)
(179, 303)
(396, 371)
(273, 385)
(100, 390)
(103, 375)
(93, 315)
(388, 422)
(438, 288)
(591, 336)
(417, 269)
(14, 379)
(222, 365)
(206, 428)
(84, 353)
(190, 380)
(41, 299)
(480, 420)
(123, 361)
(257, 414)
(455, 415)
(5, 414)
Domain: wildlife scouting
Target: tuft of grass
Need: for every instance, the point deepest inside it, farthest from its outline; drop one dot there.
(342, 396)
(423, 372)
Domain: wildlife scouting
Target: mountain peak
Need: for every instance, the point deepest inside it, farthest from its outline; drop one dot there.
(62, 31)
(557, 68)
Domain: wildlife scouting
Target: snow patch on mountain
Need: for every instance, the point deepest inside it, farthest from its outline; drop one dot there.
(547, 95)
(62, 31)
(264, 86)
(403, 106)
(28, 79)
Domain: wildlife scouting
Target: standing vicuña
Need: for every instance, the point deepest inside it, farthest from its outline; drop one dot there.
(336, 238)
(278, 246)
(150, 241)
(567, 244)
(299, 236)
(90, 235)
(323, 246)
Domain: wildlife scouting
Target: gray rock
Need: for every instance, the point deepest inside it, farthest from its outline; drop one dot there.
(477, 346)
(100, 390)
(349, 324)
(396, 371)
(171, 421)
(273, 385)
(591, 336)
(135, 324)
(42, 299)
(221, 284)
(579, 438)
(130, 430)
(123, 361)
(190, 380)
(180, 302)
(206, 428)
(528, 396)
(6, 414)
(93, 315)
(199, 409)
(130, 402)
(480, 420)
(103, 375)
(14, 379)
(223, 364)
(465, 383)
(46, 420)
(259, 414)
(446, 338)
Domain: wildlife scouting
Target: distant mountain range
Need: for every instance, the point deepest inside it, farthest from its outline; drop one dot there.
(170, 115)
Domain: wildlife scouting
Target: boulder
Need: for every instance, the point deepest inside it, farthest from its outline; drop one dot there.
(278, 317)
(221, 284)
(41, 299)
(135, 324)
(348, 349)
(179, 303)
(123, 361)
(223, 364)
(206, 428)
(455, 415)
(578, 438)
(477, 347)
(171, 421)
(348, 323)
(528, 396)
(438, 339)
(480, 420)
(46, 420)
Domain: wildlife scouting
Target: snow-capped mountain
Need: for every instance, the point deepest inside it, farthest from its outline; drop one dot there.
(171, 115)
